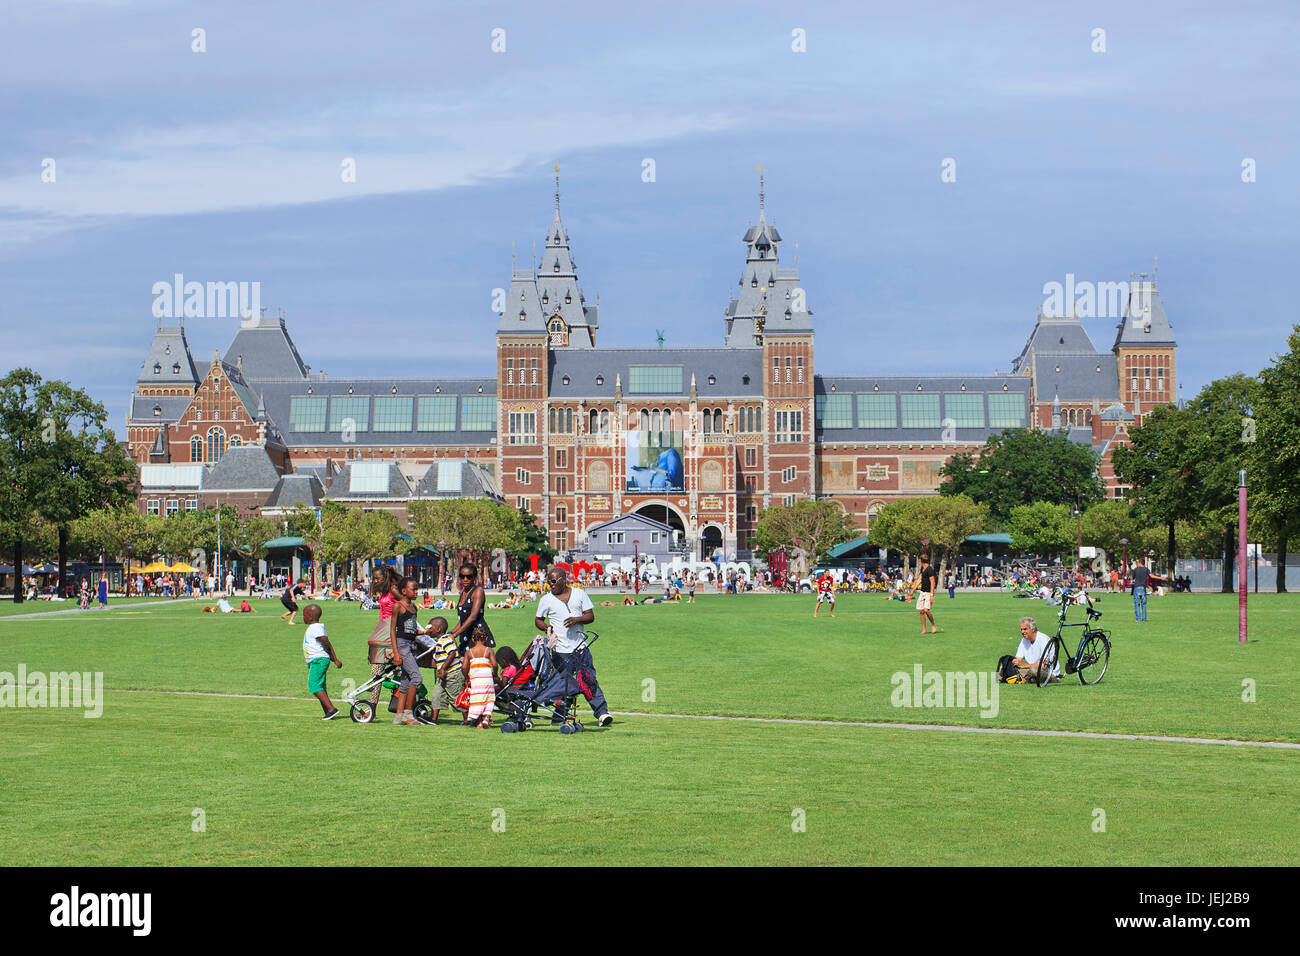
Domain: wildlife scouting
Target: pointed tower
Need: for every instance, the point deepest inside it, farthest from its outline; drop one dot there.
(167, 382)
(549, 299)
(1145, 351)
(770, 298)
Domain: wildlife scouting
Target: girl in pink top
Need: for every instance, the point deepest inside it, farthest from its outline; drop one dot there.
(385, 583)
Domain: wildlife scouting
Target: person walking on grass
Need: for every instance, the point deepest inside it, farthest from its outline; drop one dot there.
(825, 592)
(1140, 576)
(925, 583)
(319, 654)
(287, 599)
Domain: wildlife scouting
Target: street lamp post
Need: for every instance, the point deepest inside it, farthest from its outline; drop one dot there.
(1124, 562)
(636, 566)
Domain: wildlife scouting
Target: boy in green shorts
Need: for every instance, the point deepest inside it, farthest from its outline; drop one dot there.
(451, 678)
(318, 652)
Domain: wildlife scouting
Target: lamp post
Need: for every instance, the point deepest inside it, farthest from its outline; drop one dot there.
(1124, 562)
(636, 565)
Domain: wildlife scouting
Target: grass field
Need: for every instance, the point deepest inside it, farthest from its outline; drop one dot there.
(276, 785)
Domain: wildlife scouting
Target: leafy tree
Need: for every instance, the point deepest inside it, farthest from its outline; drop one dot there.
(57, 461)
(1273, 458)
(1022, 466)
(1106, 524)
(896, 527)
(946, 522)
(1158, 466)
(535, 539)
(1042, 528)
(809, 527)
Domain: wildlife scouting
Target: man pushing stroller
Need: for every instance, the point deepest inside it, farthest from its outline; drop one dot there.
(561, 613)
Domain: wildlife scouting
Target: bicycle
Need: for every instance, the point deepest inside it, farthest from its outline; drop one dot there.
(1091, 658)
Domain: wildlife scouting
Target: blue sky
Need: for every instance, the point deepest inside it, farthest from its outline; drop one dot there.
(225, 166)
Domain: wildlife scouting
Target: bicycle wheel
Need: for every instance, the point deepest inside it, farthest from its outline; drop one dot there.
(1047, 663)
(1093, 659)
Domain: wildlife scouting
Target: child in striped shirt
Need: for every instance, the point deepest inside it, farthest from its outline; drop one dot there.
(480, 665)
(451, 676)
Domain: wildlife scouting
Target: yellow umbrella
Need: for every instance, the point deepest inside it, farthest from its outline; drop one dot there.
(155, 567)
(182, 566)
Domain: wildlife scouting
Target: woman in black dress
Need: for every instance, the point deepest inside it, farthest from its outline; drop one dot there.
(469, 608)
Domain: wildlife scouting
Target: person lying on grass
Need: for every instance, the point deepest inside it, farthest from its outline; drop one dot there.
(319, 654)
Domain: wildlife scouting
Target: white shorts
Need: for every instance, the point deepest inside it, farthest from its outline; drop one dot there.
(923, 599)
(825, 596)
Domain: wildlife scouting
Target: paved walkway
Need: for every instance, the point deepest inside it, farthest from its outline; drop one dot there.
(94, 609)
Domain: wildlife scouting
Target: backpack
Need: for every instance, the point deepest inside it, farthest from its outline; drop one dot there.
(1006, 668)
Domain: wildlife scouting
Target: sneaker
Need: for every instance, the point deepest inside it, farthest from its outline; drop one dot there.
(331, 715)
(605, 719)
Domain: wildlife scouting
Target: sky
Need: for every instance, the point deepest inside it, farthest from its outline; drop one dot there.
(933, 166)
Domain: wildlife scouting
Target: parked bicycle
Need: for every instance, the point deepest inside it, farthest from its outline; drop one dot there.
(1092, 656)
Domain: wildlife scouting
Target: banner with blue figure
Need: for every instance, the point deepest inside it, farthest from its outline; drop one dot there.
(654, 461)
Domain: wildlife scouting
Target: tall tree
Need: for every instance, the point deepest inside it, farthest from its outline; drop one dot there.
(809, 527)
(1273, 458)
(57, 460)
(1158, 466)
(946, 522)
(1021, 466)
(1042, 528)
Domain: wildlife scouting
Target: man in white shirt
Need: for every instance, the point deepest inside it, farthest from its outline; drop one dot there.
(1032, 644)
(561, 613)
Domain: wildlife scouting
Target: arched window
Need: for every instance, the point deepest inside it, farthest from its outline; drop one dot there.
(655, 421)
(604, 421)
(645, 420)
(708, 422)
(717, 420)
(216, 443)
(595, 422)
(1087, 416)
(235, 441)
(196, 448)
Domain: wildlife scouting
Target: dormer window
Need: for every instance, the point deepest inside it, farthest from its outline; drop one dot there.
(157, 411)
(157, 368)
(565, 380)
(713, 380)
(176, 368)
(522, 315)
(753, 282)
(545, 298)
(557, 265)
(771, 281)
(567, 298)
(787, 313)
(600, 380)
(744, 379)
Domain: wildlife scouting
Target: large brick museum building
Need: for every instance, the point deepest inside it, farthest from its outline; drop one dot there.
(699, 439)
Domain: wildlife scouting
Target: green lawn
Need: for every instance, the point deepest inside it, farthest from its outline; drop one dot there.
(276, 785)
(7, 606)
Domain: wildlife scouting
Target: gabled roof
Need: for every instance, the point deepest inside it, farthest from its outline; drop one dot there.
(1053, 334)
(170, 408)
(267, 351)
(369, 481)
(457, 478)
(1116, 413)
(242, 468)
(632, 518)
(292, 490)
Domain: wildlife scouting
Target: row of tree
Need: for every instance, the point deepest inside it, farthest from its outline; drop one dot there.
(1184, 463)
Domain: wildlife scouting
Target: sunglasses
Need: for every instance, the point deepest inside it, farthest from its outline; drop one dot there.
(467, 576)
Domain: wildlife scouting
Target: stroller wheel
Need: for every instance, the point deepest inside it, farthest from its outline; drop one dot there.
(362, 712)
(422, 711)
(509, 727)
(568, 729)
(577, 727)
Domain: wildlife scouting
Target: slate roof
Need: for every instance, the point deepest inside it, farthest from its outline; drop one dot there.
(168, 350)
(242, 468)
(907, 385)
(459, 478)
(1116, 413)
(1145, 322)
(295, 488)
(172, 408)
(1055, 333)
(267, 350)
(277, 397)
(1077, 377)
(728, 367)
(766, 291)
(341, 486)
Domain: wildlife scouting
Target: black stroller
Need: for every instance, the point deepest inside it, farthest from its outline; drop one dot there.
(551, 692)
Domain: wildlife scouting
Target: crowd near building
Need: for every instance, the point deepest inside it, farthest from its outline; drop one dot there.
(610, 446)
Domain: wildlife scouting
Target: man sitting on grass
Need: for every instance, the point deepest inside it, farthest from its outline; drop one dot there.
(1032, 644)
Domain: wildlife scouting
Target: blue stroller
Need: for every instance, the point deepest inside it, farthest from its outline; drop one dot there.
(551, 692)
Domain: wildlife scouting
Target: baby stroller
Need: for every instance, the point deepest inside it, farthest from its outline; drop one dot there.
(362, 712)
(548, 692)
